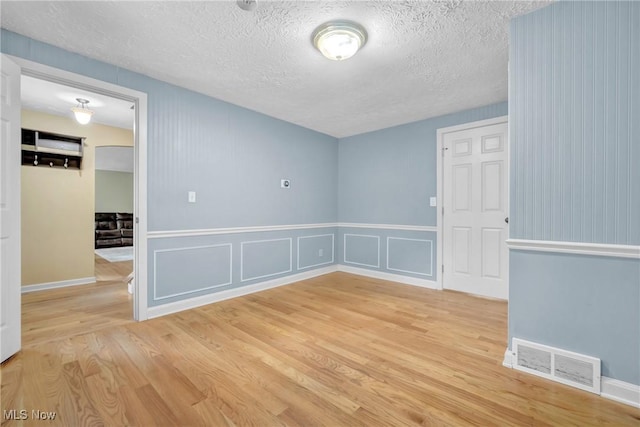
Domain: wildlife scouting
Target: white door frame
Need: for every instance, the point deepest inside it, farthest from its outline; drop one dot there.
(139, 99)
(10, 254)
(440, 180)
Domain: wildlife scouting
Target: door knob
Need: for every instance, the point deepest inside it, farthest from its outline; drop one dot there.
(506, 220)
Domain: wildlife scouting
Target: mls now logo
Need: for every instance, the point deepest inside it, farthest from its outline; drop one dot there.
(23, 414)
(14, 414)
(37, 414)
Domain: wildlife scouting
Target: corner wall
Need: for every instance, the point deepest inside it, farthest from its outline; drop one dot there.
(575, 150)
(57, 205)
(385, 181)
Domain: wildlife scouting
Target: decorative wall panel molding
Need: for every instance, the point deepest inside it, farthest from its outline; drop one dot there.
(194, 268)
(301, 242)
(622, 251)
(388, 226)
(257, 229)
(408, 252)
(262, 253)
(234, 230)
(374, 240)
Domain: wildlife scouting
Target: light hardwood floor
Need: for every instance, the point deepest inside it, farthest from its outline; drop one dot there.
(337, 350)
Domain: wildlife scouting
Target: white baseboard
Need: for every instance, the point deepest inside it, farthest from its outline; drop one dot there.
(620, 391)
(61, 284)
(507, 362)
(423, 283)
(174, 307)
(612, 389)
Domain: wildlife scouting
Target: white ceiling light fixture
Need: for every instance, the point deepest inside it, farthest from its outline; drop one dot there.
(339, 40)
(247, 5)
(81, 112)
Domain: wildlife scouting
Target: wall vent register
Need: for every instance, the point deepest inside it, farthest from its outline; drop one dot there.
(51, 149)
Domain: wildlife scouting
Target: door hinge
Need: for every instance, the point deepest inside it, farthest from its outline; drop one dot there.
(137, 220)
(442, 268)
(443, 210)
(443, 150)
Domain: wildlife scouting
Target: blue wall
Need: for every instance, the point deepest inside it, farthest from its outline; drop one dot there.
(575, 133)
(234, 159)
(585, 304)
(387, 176)
(575, 145)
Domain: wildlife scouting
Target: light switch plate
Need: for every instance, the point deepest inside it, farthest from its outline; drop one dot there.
(432, 202)
(192, 196)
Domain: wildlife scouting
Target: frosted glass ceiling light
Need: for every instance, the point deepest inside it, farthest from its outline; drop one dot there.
(339, 40)
(82, 113)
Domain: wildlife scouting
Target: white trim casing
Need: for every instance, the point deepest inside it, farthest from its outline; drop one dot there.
(141, 288)
(620, 391)
(67, 78)
(423, 283)
(598, 249)
(235, 230)
(507, 361)
(344, 249)
(262, 228)
(60, 284)
(388, 226)
(440, 182)
(199, 301)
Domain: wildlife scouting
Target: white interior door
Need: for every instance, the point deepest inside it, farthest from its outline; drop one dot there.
(10, 209)
(475, 224)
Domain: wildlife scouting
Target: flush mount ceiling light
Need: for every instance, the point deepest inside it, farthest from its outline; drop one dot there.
(247, 5)
(82, 113)
(339, 40)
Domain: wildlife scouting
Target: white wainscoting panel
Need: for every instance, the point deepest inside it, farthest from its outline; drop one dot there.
(428, 256)
(301, 238)
(243, 278)
(189, 269)
(365, 236)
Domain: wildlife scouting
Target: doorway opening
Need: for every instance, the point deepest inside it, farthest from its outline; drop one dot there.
(473, 187)
(135, 107)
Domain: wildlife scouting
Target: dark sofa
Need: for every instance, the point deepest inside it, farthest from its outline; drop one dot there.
(113, 229)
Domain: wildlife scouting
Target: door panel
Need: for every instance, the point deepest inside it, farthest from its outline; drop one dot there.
(461, 187)
(475, 254)
(9, 208)
(492, 178)
(461, 250)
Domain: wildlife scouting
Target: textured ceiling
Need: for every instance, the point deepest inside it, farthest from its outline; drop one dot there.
(56, 99)
(423, 58)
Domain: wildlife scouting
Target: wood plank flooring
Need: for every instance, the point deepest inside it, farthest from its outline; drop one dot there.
(67, 312)
(337, 350)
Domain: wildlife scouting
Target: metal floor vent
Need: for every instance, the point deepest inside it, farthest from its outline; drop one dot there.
(576, 370)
